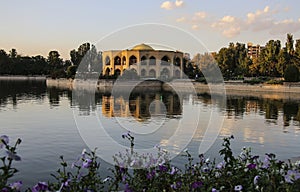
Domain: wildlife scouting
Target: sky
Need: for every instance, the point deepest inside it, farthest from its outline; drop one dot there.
(36, 27)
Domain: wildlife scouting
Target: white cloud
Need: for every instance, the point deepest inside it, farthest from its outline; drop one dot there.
(285, 26)
(231, 32)
(168, 5)
(181, 19)
(179, 3)
(195, 27)
(265, 19)
(201, 15)
(228, 19)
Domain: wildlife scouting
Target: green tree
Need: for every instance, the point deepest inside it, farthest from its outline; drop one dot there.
(269, 57)
(291, 73)
(289, 44)
(4, 62)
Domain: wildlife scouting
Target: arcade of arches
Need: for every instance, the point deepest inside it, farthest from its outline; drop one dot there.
(146, 61)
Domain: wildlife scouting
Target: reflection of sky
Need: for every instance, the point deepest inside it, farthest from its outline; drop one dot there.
(49, 131)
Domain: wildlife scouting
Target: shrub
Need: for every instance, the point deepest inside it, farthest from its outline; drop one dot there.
(291, 74)
(244, 172)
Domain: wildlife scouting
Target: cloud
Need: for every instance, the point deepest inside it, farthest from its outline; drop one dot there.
(201, 15)
(231, 32)
(228, 19)
(168, 5)
(265, 19)
(179, 3)
(181, 19)
(285, 26)
(195, 27)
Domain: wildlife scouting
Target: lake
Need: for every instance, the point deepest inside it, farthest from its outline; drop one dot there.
(49, 121)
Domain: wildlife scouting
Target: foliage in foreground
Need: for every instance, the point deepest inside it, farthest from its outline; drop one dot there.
(243, 172)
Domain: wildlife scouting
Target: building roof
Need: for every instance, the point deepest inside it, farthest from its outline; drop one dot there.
(142, 47)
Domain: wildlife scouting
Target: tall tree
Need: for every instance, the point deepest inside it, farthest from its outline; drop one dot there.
(289, 44)
(54, 60)
(269, 57)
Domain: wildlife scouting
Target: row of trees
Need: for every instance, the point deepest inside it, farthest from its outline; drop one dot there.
(233, 61)
(14, 64)
(272, 61)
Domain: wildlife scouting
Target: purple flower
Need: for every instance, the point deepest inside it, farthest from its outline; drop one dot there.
(176, 185)
(197, 184)
(4, 189)
(162, 168)
(266, 163)
(251, 166)
(3, 141)
(41, 186)
(221, 165)
(16, 185)
(87, 163)
(256, 179)
(127, 188)
(173, 170)
(214, 190)
(13, 156)
(292, 176)
(238, 188)
(151, 174)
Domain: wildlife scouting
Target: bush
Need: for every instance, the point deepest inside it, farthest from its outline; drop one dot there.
(244, 172)
(274, 82)
(291, 74)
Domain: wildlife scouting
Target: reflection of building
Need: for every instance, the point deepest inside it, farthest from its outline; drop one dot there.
(149, 62)
(254, 50)
(139, 106)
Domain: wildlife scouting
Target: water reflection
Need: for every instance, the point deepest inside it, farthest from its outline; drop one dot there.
(238, 107)
(20, 91)
(140, 105)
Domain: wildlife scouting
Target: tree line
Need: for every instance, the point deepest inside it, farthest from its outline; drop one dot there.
(274, 60)
(53, 65)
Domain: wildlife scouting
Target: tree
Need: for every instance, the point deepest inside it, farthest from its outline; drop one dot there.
(269, 57)
(297, 48)
(289, 44)
(4, 61)
(54, 60)
(13, 53)
(291, 73)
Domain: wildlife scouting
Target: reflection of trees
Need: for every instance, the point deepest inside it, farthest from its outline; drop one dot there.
(237, 106)
(15, 91)
(290, 111)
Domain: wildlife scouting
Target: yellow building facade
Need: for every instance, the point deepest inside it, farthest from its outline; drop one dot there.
(146, 61)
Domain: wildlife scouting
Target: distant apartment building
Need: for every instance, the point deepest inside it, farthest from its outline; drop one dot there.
(253, 50)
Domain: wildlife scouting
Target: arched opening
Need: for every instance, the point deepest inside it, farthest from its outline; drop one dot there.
(143, 72)
(117, 60)
(107, 60)
(177, 61)
(132, 60)
(107, 72)
(117, 72)
(124, 60)
(165, 60)
(143, 60)
(152, 61)
(152, 73)
(165, 73)
(177, 74)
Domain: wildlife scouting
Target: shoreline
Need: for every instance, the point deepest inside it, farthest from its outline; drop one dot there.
(23, 78)
(285, 91)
